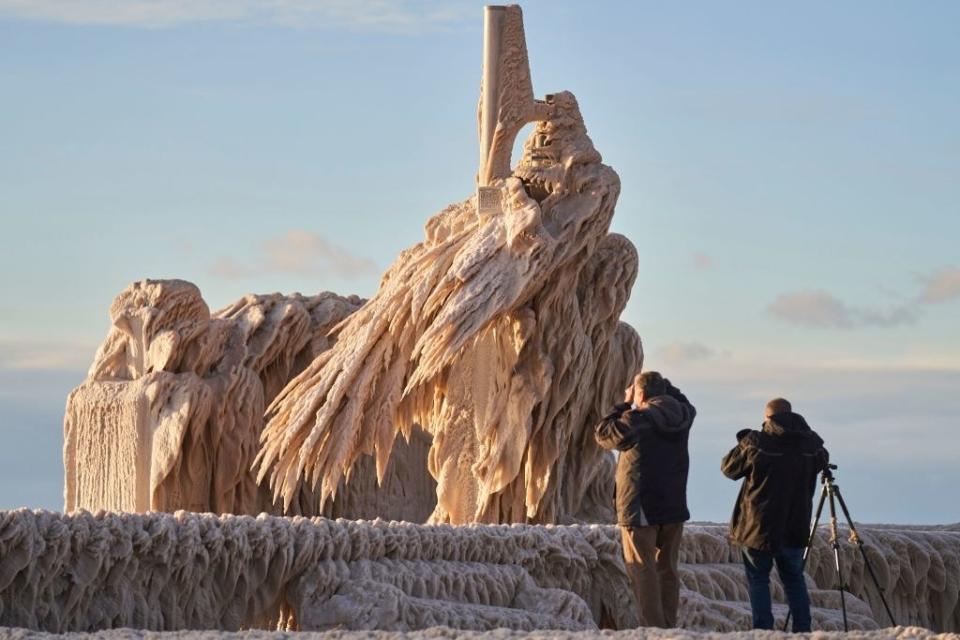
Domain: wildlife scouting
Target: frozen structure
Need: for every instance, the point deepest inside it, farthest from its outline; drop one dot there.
(498, 334)
(493, 347)
(446, 633)
(171, 412)
(163, 571)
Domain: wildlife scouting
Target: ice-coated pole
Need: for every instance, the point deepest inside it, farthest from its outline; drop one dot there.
(493, 17)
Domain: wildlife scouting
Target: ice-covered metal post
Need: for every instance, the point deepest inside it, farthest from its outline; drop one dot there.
(506, 101)
(493, 17)
(488, 197)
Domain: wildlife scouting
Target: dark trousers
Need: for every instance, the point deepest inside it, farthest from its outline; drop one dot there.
(651, 555)
(790, 567)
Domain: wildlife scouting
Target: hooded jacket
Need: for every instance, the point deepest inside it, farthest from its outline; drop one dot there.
(779, 466)
(654, 461)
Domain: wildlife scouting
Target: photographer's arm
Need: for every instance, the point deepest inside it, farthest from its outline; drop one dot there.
(823, 459)
(615, 431)
(736, 464)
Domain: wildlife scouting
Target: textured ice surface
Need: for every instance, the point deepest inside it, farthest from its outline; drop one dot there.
(441, 633)
(171, 412)
(161, 571)
(498, 335)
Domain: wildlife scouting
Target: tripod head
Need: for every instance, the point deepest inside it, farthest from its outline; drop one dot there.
(826, 476)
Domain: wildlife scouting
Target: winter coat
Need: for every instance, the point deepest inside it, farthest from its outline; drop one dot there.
(779, 466)
(654, 461)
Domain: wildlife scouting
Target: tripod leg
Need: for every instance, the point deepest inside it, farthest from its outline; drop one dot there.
(835, 540)
(855, 537)
(813, 527)
(810, 541)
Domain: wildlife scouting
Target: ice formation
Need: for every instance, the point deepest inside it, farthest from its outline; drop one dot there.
(498, 334)
(161, 571)
(495, 344)
(171, 413)
(447, 633)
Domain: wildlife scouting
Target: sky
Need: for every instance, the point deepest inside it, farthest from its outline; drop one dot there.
(790, 177)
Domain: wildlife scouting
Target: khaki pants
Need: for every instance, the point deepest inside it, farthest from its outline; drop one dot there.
(651, 554)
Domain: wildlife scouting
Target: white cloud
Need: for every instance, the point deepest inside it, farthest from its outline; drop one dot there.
(811, 309)
(304, 252)
(229, 268)
(684, 352)
(380, 15)
(298, 252)
(821, 310)
(941, 286)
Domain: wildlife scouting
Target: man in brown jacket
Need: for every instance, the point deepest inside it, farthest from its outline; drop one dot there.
(650, 430)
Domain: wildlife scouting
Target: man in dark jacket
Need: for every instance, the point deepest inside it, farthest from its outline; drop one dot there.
(650, 430)
(779, 466)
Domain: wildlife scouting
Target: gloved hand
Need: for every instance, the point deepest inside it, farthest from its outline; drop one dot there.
(742, 434)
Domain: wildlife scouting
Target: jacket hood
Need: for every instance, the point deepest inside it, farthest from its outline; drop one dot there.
(668, 415)
(788, 425)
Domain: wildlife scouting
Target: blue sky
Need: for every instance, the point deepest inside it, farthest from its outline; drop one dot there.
(790, 179)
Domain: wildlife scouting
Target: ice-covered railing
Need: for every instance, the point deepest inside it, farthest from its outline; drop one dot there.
(918, 567)
(446, 633)
(199, 571)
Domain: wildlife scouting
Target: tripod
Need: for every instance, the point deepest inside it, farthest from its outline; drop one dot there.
(832, 491)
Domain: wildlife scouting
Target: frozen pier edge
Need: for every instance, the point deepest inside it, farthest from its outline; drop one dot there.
(445, 633)
(158, 571)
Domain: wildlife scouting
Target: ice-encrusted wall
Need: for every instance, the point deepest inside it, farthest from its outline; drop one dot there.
(198, 571)
(192, 571)
(446, 633)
